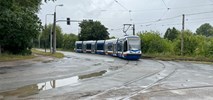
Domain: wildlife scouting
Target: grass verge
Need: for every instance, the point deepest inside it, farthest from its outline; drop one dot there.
(8, 57)
(177, 58)
(56, 55)
(69, 50)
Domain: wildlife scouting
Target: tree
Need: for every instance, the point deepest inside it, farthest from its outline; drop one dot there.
(205, 29)
(45, 37)
(19, 25)
(69, 41)
(171, 34)
(92, 30)
(151, 42)
(49, 0)
(113, 37)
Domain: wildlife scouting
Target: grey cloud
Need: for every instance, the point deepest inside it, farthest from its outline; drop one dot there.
(114, 16)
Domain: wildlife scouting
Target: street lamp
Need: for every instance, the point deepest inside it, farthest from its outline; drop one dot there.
(46, 19)
(58, 5)
(54, 29)
(50, 32)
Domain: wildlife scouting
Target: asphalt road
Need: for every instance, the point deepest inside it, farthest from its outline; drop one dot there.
(89, 76)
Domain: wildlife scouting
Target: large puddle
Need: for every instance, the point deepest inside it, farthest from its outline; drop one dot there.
(36, 88)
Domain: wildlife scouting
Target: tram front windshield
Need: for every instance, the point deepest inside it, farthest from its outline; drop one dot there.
(134, 43)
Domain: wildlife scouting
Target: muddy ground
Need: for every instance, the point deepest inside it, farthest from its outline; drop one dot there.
(97, 77)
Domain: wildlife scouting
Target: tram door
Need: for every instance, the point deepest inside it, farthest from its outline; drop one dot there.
(114, 49)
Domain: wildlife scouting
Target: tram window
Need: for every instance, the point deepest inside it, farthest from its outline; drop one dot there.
(88, 46)
(125, 46)
(100, 46)
(79, 46)
(119, 47)
(109, 47)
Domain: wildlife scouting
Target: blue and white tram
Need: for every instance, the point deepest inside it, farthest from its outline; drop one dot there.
(79, 46)
(128, 47)
(110, 47)
(87, 46)
(100, 47)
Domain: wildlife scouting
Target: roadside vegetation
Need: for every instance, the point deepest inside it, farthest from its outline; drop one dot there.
(56, 55)
(197, 46)
(90, 30)
(10, 57)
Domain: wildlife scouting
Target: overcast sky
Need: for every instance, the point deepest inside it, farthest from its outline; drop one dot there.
(156, 15)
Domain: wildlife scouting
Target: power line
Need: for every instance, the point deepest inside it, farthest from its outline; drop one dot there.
(118, 29)
(130, 16)
(164, 4)
(175, 17)
(121, 5)
(194, 6)
(164, 14)
(199, 21)
(159, 9)
(199, 18)
(169, 24)
(199, 13)
(160, 19)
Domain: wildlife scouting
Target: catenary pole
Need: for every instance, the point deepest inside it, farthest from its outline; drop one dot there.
(182, 35)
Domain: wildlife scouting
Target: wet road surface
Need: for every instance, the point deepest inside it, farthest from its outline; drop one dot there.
(89, 76)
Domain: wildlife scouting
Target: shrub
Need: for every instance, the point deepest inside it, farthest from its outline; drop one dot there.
(153, 43)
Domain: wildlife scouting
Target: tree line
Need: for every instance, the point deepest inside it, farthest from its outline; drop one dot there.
(90, 30)
(195, 44)
(64, 41)
(20, 28)
(19, 25)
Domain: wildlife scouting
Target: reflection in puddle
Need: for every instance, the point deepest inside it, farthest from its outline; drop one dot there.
(58, 83)
(47, 61)
(96, 74)
(35, 88)
(97, 64)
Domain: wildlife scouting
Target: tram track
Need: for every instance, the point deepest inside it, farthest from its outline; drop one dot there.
(131, 81)
(165, 90)
(151, 85)
(183, 88)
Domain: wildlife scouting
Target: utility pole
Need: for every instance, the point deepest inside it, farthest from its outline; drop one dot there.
(0, 49)
(54, 30)
(39, 38)
(133, 29)
(182, 35)
(50, 30)
(51, 39)
(54, 33)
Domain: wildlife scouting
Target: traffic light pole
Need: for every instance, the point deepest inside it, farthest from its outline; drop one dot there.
(54, 34)
(54, 31)
(51, 40)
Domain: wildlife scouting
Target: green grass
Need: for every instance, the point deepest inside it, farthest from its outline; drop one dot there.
(9, 57)
(56, 55)
(61, 49)
(166, 57)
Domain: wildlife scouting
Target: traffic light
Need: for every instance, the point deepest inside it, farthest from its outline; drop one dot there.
(68, 21)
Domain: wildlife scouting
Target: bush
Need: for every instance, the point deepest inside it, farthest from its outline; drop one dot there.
(194, 45)
(153, 43)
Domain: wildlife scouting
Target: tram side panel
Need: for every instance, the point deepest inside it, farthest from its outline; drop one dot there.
(100, 47)
(79, 46)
